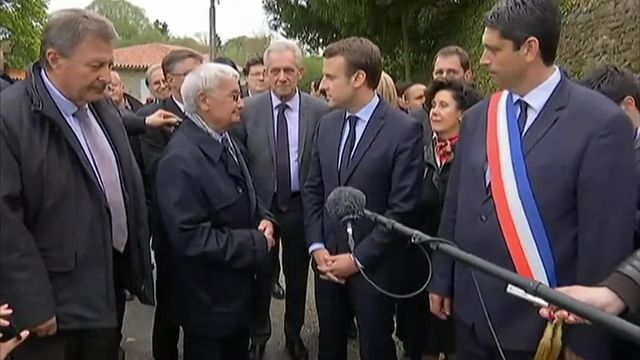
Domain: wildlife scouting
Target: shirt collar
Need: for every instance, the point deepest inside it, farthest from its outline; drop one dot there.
(367, 111)
(66, 106)
(293, 103)
(180, 105)
(539, 96)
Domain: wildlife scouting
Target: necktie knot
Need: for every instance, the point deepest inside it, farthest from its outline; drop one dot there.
(352, 119)
(82, 113)
(283, 106)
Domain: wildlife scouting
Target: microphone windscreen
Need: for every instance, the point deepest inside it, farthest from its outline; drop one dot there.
(345, 201)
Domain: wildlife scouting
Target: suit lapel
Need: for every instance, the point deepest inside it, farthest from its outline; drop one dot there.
(547, 117)
(370, 132)
(247, 178)
(268, 120)
(333, 144)
(303, 125)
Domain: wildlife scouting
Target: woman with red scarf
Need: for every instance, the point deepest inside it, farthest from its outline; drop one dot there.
(420, 331)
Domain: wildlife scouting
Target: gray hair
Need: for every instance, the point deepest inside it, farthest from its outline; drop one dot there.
(283, 45)
(67, 28)
(204, 79)
(153, 68)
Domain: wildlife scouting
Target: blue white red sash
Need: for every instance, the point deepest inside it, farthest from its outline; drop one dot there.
(516, 207)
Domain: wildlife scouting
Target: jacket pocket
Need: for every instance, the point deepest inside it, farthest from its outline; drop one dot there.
(59, 261)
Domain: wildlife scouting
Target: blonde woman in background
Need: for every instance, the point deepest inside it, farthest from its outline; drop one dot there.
(387, 90)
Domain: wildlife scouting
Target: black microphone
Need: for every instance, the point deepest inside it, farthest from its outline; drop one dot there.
(348, 203)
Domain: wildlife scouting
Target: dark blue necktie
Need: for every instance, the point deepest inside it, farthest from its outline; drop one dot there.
(283, 166)
(522, 117)
(345, 157)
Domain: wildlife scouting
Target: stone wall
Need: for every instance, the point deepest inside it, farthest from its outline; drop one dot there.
(600, 32)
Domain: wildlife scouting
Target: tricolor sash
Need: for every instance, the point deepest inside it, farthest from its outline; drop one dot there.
(516, 207)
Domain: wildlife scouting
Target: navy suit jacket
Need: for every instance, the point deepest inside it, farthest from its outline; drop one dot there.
(579, 156)
(386, 165)
(210, 216)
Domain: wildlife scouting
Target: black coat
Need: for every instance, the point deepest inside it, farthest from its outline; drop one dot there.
(210, 214)
(56, 256)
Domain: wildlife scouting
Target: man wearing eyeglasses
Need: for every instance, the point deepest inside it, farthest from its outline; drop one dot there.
(175, 66)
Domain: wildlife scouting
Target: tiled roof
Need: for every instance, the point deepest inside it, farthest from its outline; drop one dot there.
(17, 74)
(140, 57)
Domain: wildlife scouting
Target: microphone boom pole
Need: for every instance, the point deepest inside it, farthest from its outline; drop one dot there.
(613, 323)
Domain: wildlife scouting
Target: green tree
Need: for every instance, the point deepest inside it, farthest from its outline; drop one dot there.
(22, 22)
(162, 27)
(405, 30)
(242, 48)
(130, 21)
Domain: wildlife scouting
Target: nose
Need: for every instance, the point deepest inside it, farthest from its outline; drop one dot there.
(240, 104)
(484, 59)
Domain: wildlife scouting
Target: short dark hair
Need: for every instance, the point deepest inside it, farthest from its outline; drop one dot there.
(254, 61)
(614, 82)
(176, 56)
(518, 20)
(464, 94)
(359, 54)
(454, 50)
(226, 61)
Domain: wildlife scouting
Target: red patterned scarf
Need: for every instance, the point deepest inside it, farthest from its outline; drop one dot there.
(445, 149)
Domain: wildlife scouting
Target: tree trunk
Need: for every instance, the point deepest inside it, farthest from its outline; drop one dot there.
(405, 47)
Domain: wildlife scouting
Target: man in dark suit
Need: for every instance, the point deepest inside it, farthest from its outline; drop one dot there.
(74, 232)
(215, 231)
(277, 131)
(371, 146)
(621, 87)
(578, 153)
(176, 66)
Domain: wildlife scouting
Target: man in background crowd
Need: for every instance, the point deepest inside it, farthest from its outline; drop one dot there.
(413, 97)
(254, 72)
(154, 79)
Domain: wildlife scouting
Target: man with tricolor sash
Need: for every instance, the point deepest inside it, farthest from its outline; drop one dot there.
(544, 185)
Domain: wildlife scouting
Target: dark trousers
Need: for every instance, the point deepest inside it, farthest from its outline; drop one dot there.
(98, 344)
(94, 344)
(166, 333)
(469, 347)
(374, 314)
(412, 324)
(260, 325)
(295, 265)
(233, 347)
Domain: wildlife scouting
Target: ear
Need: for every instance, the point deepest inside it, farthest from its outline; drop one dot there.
(468, 76)
(54, 58)
(531, 49)
(359, 78)
(203, 102)
(301, 71)
(628, 103)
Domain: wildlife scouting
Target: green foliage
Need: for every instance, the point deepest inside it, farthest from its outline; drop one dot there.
(23, 21)
(130, 21)
(312, 71)
(242, 48)
(316, 23)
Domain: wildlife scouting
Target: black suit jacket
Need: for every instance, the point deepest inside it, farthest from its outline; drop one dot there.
(579, 156)
(210, 216)
(257, 135)
(387, 166)
(56, 248)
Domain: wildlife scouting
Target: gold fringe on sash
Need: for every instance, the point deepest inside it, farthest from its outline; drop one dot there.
(550, 345)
